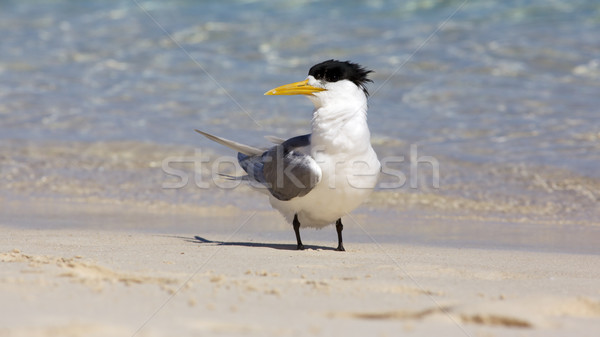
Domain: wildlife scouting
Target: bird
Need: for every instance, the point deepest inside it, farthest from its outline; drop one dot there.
(315, 179)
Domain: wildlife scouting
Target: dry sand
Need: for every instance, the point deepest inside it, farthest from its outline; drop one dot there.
(72, 282)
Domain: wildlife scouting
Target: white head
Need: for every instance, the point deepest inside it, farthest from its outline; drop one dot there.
(330, 82)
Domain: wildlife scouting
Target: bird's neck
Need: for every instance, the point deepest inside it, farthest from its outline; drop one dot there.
(341, 126)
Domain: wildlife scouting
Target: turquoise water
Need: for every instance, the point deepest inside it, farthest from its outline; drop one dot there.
(505, 95)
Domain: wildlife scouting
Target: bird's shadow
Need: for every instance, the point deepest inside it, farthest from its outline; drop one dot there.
(280, 246)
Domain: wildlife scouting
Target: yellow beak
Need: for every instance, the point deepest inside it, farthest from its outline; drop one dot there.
(297, 88)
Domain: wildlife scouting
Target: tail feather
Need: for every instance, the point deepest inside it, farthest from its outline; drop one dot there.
(245, 149)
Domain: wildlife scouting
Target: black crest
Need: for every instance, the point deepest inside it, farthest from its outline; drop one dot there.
(333, 71)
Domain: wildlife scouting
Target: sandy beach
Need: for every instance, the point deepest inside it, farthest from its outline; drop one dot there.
(247, 280)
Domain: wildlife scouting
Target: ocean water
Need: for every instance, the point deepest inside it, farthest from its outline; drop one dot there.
(95, 97)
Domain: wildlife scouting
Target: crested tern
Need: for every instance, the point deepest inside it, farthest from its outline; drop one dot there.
(315, 179)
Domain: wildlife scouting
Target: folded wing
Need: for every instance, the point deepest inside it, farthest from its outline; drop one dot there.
(286, 172)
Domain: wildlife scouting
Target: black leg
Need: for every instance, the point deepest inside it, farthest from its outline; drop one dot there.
(297, 231)
(339, 227)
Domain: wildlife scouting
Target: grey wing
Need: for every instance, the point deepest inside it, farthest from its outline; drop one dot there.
(253, 165)
(296, 142)
(286, 173)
